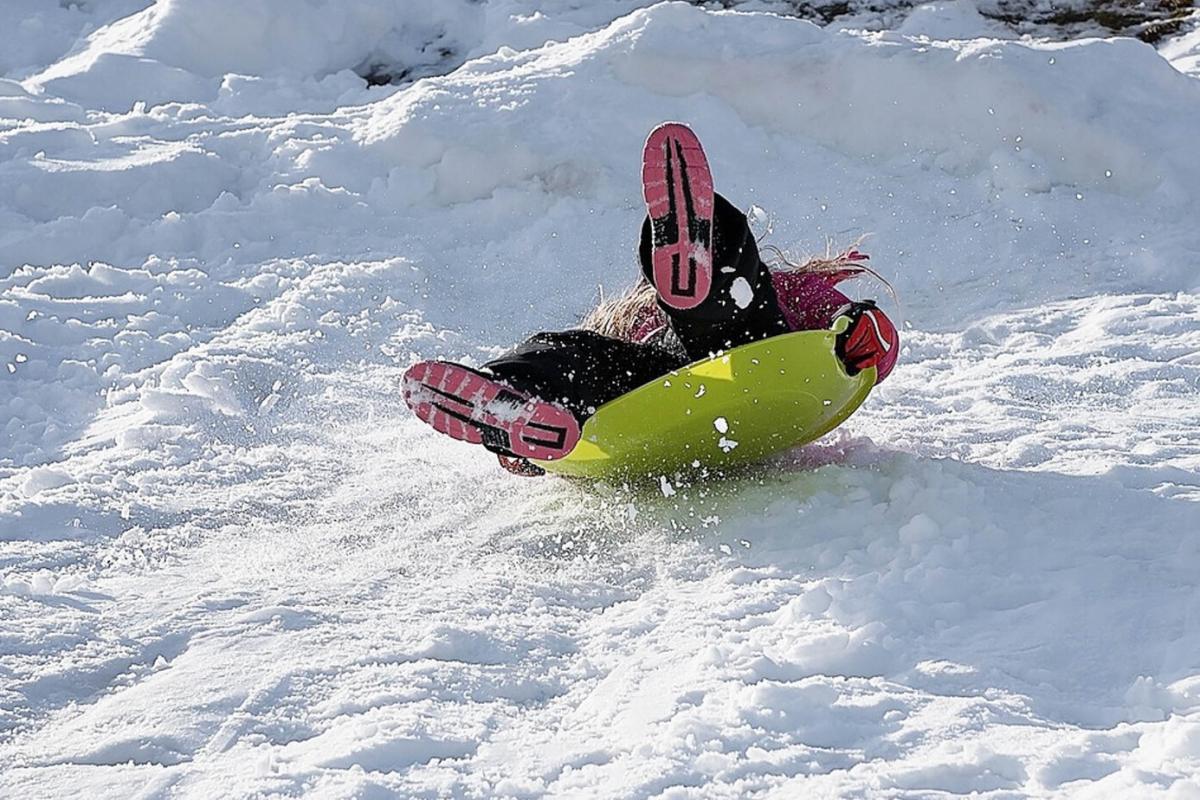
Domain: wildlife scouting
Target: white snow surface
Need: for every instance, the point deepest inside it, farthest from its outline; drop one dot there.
(1184, 51)
(233, 565)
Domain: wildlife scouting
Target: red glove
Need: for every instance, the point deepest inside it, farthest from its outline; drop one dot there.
(870, 341)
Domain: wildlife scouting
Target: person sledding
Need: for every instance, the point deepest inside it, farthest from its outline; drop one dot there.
(705, 291)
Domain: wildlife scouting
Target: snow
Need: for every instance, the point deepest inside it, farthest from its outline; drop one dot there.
(233, 564)
(741, 292)
(956, 19)
(1183, 52)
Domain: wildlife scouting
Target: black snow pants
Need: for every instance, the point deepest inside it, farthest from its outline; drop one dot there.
(582, 369)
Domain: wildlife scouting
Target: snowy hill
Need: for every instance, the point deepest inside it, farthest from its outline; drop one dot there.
(232, 564)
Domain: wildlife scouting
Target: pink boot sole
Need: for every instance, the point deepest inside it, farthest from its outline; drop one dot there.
(471, 407)
(678, 189)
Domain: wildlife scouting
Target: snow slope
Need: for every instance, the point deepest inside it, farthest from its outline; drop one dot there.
(232, 564)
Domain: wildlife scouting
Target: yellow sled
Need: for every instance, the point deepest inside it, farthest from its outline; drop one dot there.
(757, 399)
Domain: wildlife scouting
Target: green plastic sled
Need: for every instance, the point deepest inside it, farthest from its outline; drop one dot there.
(755, 400)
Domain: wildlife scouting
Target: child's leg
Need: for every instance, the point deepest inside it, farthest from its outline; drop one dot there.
(581, 370)
(698, 252)
(474, 407)
(532, 402)
(741, 306)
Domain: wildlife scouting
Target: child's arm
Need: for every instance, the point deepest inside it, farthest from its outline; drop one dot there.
(810, 301)
(870, 341)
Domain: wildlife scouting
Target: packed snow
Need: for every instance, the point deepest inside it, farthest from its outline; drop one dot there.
(232, 564)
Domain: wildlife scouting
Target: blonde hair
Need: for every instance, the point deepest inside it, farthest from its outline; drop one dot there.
(622, 316)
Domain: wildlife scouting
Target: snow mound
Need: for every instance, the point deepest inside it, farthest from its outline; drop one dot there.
(37, 34)
(177, 51)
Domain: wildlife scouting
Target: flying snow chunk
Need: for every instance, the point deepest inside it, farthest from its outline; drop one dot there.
(741, 292)
(759, 217)
(722, 425)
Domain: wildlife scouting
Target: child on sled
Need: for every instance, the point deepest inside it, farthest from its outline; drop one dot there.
(706, 290)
